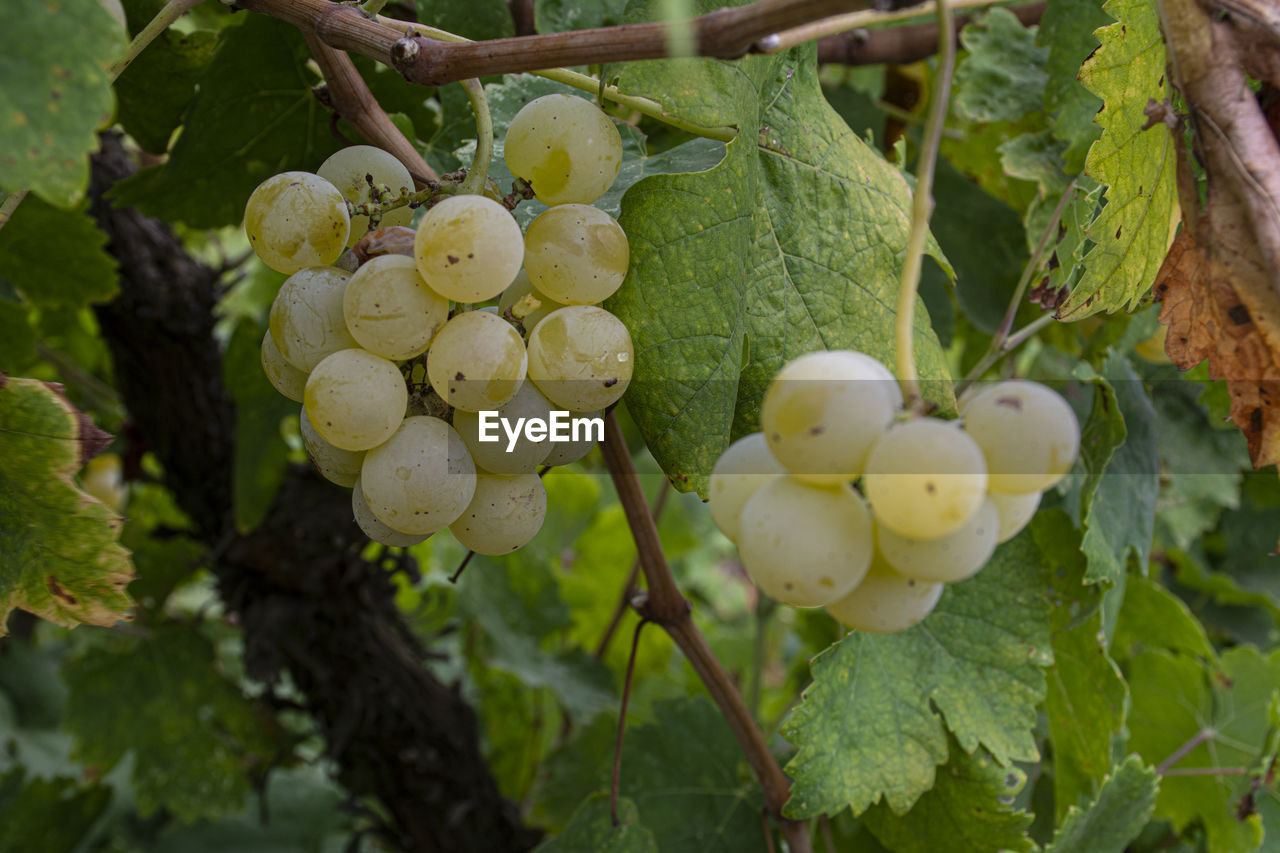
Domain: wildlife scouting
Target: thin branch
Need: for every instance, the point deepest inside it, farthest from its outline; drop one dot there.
(9, 205)
(854, 20)
(172, 11)
(622, 720)
(902, 45)
(629, 588)
(453, 578)
(1183, 751)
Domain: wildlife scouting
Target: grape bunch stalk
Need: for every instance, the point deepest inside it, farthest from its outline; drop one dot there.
(933, 498)
(395, 362)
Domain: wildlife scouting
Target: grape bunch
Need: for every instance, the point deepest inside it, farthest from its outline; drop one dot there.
(932, 500)
(397, 363)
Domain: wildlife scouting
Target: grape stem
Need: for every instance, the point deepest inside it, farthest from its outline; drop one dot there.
(479, 173)
(622, 721)
(172, 11)
(921, 210)
(629, 588)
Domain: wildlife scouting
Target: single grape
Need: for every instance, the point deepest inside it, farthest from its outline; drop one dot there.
(334, 464)
(925, 478)
(389, 309)
(504, 514)
(1014, 511)
(283, 376)
(947, 559)
(886, 601)
(739, 473)
(468, 248)
(823, 412)
(565, 147)
(374, 528)
(804, 545)
(580, 357)
(306, 320)
(499, 457)
(525, 303)
(421, 479)
(1028, 434)
(565, 452)
(348, 170)
(477, 361)
(355, 399)
(297, 220)
(576, 254)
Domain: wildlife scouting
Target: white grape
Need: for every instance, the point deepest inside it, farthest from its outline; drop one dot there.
(1014, 511)
(947, 559)
(805, 545)
(421, 479)
(355, 399)
(741, 471)
(581, 358)
(565, 147)
(283, 376)
(468, 248)
(347, 170)
(389, 309)
(576, 254)
(886, 602)
(823, 412)
(373, 526)
(334, 464)
(565, 452)
(306, 320)
(477, 361)
(525, 303)
(1028, 434)
(504, 514)
(925, 478)
(296, 220)
(493, 456)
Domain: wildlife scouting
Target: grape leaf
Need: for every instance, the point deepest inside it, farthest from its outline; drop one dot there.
(47, 815)
(592, 828)
(62, 560)
(1115, 817)
(1136, 226)
(1002, 78)
(871, 725)
(262, 457)
(1067, 29)
(253, 117)
(475, 19)
(968, 810)
(17, 338)
(1152, 616)
(191, 731)
(156, 88)
(555, 16)
(54, 99)
(37, 232)
(792, 243)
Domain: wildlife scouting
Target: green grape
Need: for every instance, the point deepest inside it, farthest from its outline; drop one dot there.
(525, 303)
(347, 170)
(886, 601)
(283, 376)
(421, 479)
(823, 412)
(739, 473)
(925, 478)
(504, 514)
(581, 358)
(355, 399)
(374, 528)
(468, 248)
(1014, 511)
(576, 254)
(501, 457)
(307, 321)
(477, 362)
(389, 309)
(565, 147)
(334, 464)
(565, 452)
(805, 545)
(1027, 432)
(297, 220)
(947, 559)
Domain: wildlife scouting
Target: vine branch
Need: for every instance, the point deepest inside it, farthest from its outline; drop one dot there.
(901, 45)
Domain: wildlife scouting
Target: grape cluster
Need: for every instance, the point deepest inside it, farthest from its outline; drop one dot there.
(933, 497)
(394, 363)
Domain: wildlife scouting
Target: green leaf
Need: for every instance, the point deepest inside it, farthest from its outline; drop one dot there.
(1137, 223)
(1153, 617)
(62, 561)
(262, 457)
(47, 815)
(555, 16)
(39, 233)
(792, 243)
(253, 117)
(156, 88)
(1003, 77)
(871, 725)
(54, 56)
(1115, 817)
(1067, 30)
(17, 338)
(475, 19)
(592, 829)
(191, 731)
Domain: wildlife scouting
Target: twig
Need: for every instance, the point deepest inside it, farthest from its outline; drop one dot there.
(479, 172)
(1183, 751)
(622, 721)
(853, 20)
(629, 588)
(172, 11)
(901, 45)
(453, 578)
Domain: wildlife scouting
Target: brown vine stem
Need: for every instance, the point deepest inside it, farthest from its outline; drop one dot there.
(629, 587)
(668, 608)
(901, 45)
